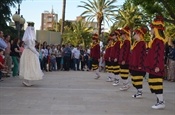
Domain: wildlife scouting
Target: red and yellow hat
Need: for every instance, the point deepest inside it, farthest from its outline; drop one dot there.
(158, 23)
(109, 37)
(95, 36)
(141, 31)
(125, 30)
(117, 32)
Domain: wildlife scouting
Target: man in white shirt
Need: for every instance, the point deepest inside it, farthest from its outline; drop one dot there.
(76, 57)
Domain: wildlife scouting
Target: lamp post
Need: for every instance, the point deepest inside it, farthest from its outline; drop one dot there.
(19, 20)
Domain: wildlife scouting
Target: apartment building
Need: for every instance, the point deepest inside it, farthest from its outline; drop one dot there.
(48, 19)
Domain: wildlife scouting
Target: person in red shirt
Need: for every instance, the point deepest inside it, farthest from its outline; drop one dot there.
(95, 54)
(124, 57)
(2, 65)
(136, 62)
(114, 56)
(108, 66)
(154, 62)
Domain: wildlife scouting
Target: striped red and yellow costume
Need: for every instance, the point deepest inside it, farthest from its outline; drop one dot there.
(107, 57)
(114, 54)
(124, 57)
(95, 52)
(154, 62)
(124, 54)
(136, 62)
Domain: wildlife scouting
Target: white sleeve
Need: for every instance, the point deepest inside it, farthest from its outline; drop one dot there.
(31, 47)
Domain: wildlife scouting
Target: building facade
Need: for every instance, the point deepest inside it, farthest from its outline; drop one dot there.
(48, 19)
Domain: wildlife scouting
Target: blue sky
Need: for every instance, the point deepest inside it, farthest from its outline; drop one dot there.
(32, 9)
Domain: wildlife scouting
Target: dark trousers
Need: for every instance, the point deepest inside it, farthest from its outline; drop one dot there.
(44, 63)
(72, 64)
(58, 60)
(66, 63)
(89, 64)
(41, 64)
(82, 64)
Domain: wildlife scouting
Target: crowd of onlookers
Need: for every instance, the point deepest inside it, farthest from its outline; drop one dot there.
(170, 61)
(56, 57)
(53, 57)
(10, 55)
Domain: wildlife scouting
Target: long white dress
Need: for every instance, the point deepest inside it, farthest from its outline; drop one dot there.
(29, 63)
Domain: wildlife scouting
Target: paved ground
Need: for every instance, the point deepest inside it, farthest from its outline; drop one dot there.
(77, 93)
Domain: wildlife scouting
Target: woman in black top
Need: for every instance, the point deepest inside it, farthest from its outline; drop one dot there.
(15, 53)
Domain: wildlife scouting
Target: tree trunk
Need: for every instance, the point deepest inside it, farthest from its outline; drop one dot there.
(63, 18)
(99, 27)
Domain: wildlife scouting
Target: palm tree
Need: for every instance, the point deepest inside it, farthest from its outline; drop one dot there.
(102, 10)
(130, 15)
(170, 31)
(79, 34)
(82, 32)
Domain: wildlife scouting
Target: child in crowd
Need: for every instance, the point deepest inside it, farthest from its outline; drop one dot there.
(3, 67)
(21, 47)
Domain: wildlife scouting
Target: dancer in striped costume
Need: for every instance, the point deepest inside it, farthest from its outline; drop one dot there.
(124, 57)
(154, 62)
(136, 62)
(107, 59)
(114, 55)
(95, 55)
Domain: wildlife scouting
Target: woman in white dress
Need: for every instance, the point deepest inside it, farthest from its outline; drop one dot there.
(29, 62)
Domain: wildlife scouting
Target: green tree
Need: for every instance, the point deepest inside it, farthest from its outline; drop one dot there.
(79, 34)
(5, 12)
(101, 10)
(130, 15)
(165, 8)
(170, 31)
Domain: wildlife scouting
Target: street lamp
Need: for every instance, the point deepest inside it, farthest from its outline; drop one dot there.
(19, 21)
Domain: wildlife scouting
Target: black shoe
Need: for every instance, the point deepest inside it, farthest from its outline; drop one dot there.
(7, 75)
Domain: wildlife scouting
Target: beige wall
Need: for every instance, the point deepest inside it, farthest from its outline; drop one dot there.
(48, 36)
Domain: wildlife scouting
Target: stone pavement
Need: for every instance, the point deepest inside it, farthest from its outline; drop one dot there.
(78, 93)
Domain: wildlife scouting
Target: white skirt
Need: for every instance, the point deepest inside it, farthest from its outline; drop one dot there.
(30, 66)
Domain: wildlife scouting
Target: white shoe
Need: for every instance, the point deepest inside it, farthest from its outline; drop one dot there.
(116, 82)
(26, 84)
(137, 95)
(124, 88)
(109, 79)
(159, 105)
(97, 77)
